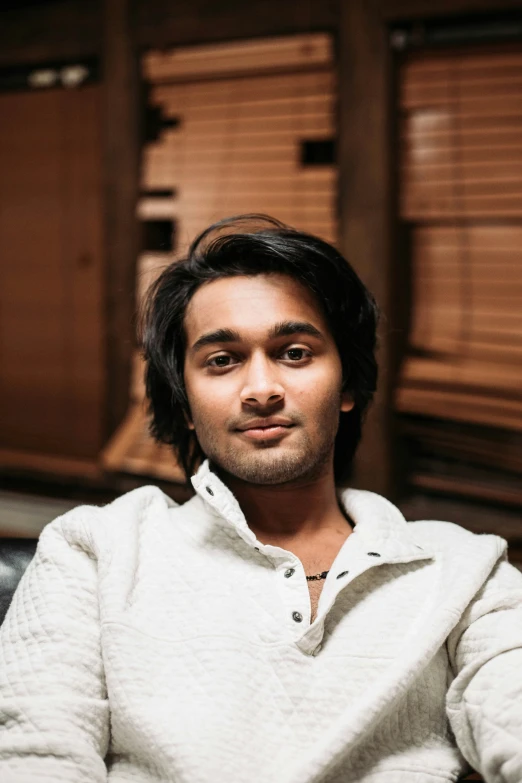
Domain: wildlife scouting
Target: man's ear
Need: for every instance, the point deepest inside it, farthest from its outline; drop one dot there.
(347, 403)
(188, 420)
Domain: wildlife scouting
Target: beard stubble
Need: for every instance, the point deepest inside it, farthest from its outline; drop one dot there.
(276, 463)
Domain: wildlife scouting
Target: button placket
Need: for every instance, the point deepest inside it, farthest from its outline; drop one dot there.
(297, 617)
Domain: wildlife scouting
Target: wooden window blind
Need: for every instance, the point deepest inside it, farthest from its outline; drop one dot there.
(461, 196)
(238, 119)
(244, 109)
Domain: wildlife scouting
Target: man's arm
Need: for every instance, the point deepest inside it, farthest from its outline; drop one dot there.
(484, 701)
(54, 714)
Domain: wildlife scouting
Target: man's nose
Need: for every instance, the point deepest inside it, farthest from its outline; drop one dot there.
(262, 385)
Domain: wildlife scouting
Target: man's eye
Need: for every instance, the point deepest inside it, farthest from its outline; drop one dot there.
(296, 354)
(220, 361)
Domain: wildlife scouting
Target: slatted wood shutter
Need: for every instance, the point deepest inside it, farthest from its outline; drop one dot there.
(241, 115)
(244, 109)
(461, 193)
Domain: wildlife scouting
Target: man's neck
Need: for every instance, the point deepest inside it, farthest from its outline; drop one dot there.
(300, 511)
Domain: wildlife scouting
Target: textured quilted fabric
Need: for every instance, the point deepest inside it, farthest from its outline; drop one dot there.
(152, 642)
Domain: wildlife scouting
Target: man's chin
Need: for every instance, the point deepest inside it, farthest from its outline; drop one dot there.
(263, 467)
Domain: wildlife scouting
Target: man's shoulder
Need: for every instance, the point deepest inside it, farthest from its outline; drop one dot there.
(135, 502)
(141, 498)
(88, 522)
(452, 537)
(371, 503)
(440, 528)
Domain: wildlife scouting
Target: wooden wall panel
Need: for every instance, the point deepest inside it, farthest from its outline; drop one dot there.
(51, 291)
(83, 236)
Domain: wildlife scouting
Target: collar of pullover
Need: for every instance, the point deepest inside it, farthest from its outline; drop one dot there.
(379, 525)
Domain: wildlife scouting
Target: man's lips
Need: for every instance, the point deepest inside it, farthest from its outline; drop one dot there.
(269, 432)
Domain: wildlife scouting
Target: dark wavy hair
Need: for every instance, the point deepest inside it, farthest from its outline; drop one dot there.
(252, 245)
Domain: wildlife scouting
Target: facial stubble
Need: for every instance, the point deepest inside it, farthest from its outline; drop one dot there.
(276, 462)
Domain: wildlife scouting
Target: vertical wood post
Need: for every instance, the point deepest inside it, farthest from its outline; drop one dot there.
(121, 134)
(364, 205)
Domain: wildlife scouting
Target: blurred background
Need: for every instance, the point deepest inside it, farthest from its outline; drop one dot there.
(390, 128)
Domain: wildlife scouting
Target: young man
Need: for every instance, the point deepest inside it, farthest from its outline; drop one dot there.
(276, 628)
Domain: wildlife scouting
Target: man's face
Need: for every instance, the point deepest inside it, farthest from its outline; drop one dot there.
(259, 348)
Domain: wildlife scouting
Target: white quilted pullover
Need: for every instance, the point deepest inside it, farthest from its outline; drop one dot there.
(152, 642)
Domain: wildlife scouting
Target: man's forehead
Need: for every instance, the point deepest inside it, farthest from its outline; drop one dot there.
(252, 304)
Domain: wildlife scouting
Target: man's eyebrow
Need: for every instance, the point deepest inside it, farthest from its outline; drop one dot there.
(287, 328)
(218, 336)
(282, 329)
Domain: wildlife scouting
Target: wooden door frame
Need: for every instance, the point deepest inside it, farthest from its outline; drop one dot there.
(121, 138)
